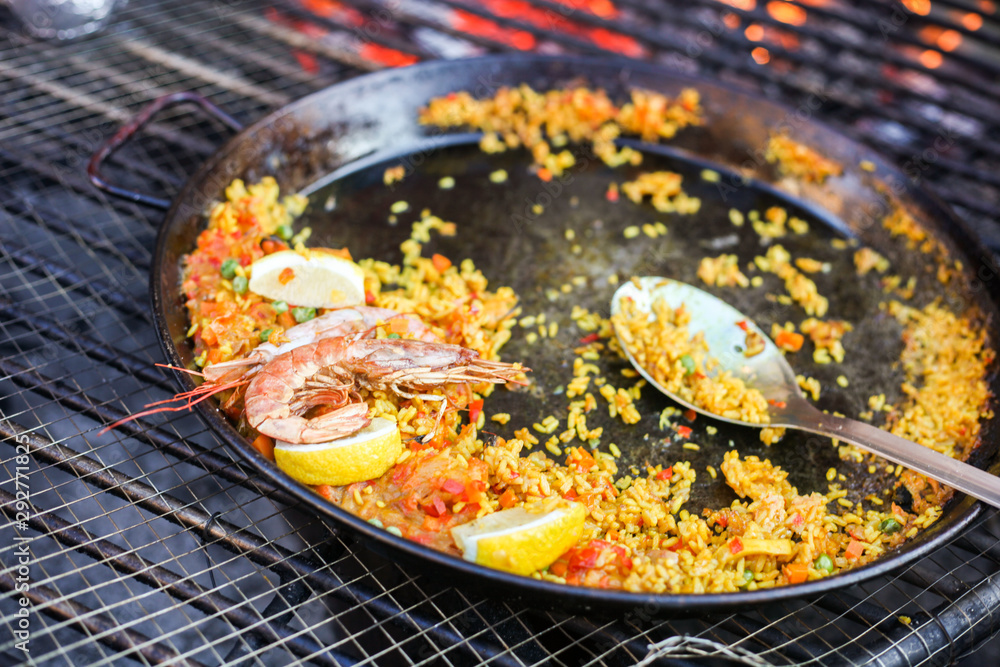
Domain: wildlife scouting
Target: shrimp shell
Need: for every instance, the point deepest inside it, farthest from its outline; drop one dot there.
(330, 372)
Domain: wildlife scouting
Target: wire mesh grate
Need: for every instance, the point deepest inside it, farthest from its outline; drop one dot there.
(153, 544)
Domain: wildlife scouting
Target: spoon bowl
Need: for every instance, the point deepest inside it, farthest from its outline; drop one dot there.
(725, 331)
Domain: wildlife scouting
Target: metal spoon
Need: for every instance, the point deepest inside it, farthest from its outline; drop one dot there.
(774, 378)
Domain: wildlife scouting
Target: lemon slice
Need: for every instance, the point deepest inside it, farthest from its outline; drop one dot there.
(522, 540)
(319, 281)
(364, 455)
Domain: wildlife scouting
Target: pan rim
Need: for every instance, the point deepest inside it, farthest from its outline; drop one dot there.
(590, 599)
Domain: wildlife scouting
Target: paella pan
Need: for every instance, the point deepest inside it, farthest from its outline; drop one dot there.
(561, 244)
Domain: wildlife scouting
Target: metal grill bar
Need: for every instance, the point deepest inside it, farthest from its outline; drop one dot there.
(72, 280)
(188, 453)
(160, 578)
(125, 640)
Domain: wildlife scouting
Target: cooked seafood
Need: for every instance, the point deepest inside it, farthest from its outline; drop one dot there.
(331, 371)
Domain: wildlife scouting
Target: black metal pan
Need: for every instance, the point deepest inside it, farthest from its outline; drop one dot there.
(335, 144)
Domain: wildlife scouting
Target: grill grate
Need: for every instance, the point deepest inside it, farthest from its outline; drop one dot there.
(151, 544)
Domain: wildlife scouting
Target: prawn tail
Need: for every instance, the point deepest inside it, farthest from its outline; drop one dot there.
(338, 423)
(190, 398)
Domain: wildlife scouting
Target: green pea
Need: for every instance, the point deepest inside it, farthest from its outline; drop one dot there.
(824, 562)
(240, 284)
(285, 232)
(228, 268)
(392, 335)
(280, 306)
(303, 314)
(890, 526)
(747, 577)
(688, 363)
(265, 334)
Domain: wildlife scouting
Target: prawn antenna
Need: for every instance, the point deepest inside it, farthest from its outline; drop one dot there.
(191, 398)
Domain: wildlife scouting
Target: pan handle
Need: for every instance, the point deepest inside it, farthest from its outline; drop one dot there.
(128, 130)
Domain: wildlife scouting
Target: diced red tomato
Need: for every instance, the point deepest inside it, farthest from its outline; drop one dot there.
(854, 550)
(665, 474)
(684, 431)
(545, 174)
(735, 545)
(590, 338)
(612, 194)
(475, 408)
(452, 486)
(436, 507)
(742, 324)
(369, 297)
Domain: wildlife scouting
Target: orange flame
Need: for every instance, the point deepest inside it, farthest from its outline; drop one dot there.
(931, 59)
(786, 13)
(921, 7)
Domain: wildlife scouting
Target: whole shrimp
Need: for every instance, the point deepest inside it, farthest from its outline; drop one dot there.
(238, 372)
(340, 322)
(330, 372)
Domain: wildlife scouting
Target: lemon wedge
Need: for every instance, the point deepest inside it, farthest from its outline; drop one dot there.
(317, 281)
(524, 539)
(364, 455)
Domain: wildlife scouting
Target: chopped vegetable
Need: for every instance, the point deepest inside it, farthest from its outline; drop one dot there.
(688, 363)
(303, 314)
(508, 499)
(789, 340)
(265, 334)
(240, 284)
(796, 573)
(475, 408)
(854, 550)
(279, 307)
(265, 445)
(440, 262)
(779, 547)
(228, 268)
(890, 526)
(452, 486)
(285, 232)
(824, 562)
(393, 335)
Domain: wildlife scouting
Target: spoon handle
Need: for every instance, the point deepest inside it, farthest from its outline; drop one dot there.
(951, 472)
